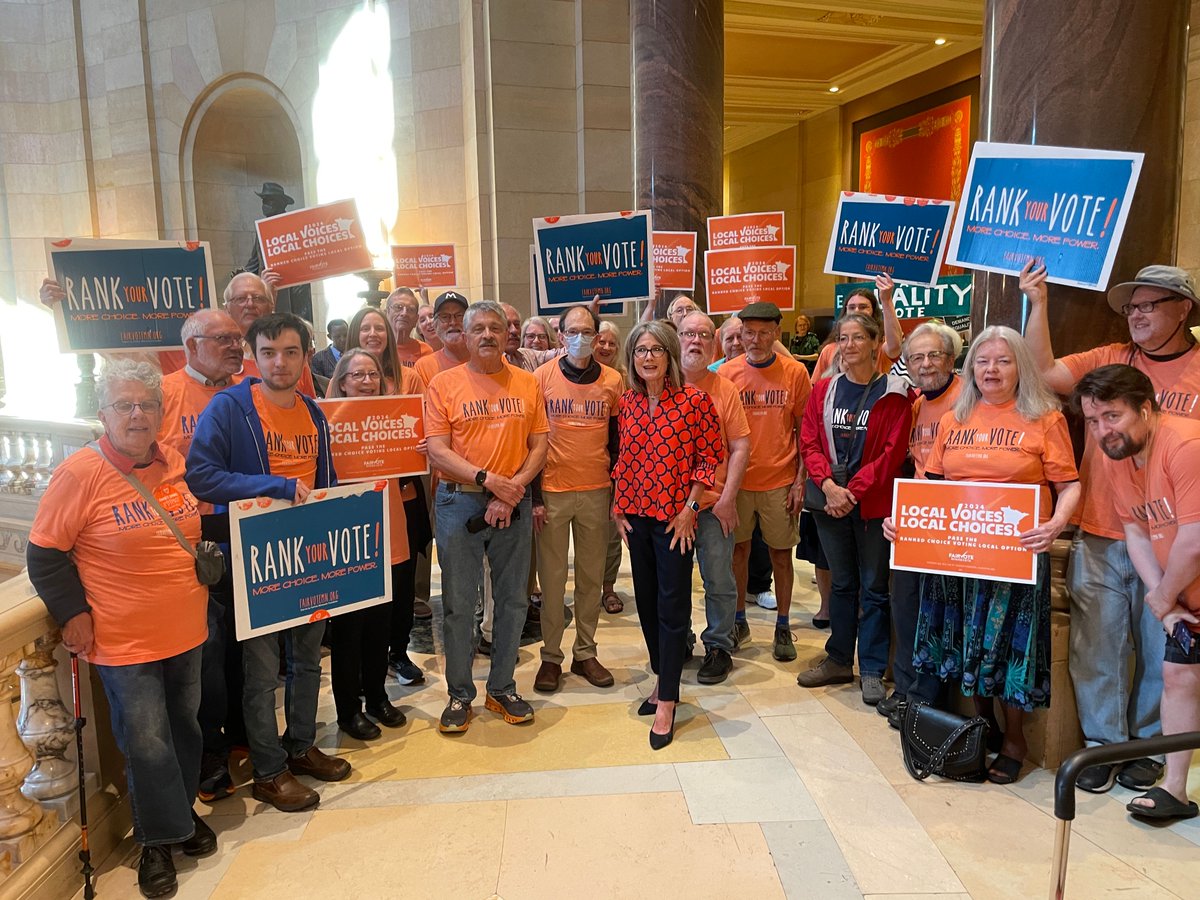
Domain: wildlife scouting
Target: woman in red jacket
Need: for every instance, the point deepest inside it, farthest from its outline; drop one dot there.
(854, 439)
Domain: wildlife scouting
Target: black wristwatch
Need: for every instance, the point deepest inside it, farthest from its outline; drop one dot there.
(481, 477)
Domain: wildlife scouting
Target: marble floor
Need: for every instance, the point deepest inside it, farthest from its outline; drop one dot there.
(767, 791)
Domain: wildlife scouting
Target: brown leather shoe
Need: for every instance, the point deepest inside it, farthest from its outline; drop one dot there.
(595, 673)
(285, 793)
(548, 677)
(422, 610)
(319, 765)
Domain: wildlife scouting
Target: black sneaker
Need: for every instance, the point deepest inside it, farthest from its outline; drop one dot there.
(156, 871)
(202, 842)
(1140, 774)
(456, 717)
(405, 670)
(716, 666)
(889, 704)
(485, 647)
(511, 706)
(783, 648)
(1097, 779)
(215, 781)
(741, 635)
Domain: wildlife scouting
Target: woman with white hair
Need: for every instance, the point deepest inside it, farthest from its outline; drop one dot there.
(106, 561)
(994, 636)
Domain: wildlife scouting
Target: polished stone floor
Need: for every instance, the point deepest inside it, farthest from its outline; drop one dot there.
(767, 791)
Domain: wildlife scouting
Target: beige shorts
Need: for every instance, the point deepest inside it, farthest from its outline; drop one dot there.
(767, 509)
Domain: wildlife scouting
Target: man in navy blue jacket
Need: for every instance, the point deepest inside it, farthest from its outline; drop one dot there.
(262, 438)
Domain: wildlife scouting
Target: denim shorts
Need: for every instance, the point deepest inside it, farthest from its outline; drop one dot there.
(1175, 653)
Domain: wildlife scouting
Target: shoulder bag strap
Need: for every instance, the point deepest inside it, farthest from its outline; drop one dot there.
(862, 401)
(167, 518)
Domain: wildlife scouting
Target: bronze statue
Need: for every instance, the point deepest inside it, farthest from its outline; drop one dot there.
(298, 298)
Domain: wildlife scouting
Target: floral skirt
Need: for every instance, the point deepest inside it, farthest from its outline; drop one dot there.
(993, 636)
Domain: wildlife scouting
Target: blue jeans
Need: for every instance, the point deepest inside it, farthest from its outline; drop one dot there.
(260, 666)
(714, 555)
(662, 588)
(1111, 628)
(906, 605)
(461, 555)
(858, 601)
(154, 721)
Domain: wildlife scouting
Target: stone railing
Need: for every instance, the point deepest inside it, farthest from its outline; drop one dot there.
(39, 774)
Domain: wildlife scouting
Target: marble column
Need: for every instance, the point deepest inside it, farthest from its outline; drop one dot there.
(677, 48)
(18, 814)
(1112, 79)
(46, 727)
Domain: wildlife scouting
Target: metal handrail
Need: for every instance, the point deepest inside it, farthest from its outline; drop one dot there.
(1068, 774)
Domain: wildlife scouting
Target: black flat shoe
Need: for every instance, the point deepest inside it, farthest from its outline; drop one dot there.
(386, 714)
(360, 727)
(156, 871)
(658, 741)
(648, 708)
(202, 842)
(820, 623)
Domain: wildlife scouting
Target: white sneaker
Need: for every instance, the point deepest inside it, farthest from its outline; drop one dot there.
(766, 600)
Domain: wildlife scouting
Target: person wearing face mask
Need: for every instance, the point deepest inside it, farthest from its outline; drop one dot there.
(581, 398)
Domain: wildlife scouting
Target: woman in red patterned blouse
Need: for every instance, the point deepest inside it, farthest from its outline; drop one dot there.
(670, 447)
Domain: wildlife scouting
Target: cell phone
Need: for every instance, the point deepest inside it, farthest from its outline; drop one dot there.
(1184, 636)
(476, 524)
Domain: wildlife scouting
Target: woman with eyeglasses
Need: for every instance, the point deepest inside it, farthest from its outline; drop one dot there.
(359, 659)
(124, 591)
(993, 637)
(854, 439)
(371, 330)
(670, 447)
(536, 334)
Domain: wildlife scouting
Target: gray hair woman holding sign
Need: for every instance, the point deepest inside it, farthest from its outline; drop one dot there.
(994, 636)
(128, 595)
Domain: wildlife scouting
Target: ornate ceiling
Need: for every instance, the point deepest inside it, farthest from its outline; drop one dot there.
(782, 57)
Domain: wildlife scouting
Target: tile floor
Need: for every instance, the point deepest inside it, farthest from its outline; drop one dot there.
(767, 791)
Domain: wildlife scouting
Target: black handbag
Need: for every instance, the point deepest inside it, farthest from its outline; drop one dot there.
(936, 742)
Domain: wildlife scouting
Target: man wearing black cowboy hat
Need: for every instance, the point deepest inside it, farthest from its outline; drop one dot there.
(296, 299)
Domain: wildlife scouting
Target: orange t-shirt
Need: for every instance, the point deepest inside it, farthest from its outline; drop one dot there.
(1163, 494)
(291, 436)
(1177, 386)
(184, 398)
(883, 362)
(141, 584)
(412, 351)
(774, 398)
(488, 417)
(437, 361)
(397, 523)
(927, 416)
(171, 360)
(732, 416)
(997, 444)
(578, 415)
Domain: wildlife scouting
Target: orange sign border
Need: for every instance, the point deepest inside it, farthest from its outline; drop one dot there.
(408, 462)
(1023, 563)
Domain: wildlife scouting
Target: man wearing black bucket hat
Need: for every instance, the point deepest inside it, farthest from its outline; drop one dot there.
(297, 298)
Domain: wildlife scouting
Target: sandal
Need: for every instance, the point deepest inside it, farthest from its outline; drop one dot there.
(612, 603)
(1166, 806)
(1004, 770)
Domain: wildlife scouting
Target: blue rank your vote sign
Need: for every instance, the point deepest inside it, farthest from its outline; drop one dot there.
(878, 234)
(1062, 207)
(296, 564)
(609, 254)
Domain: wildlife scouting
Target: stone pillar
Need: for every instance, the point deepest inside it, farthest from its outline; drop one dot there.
(18, 814)
(678, 58)
(45, 726)
(1053, 76)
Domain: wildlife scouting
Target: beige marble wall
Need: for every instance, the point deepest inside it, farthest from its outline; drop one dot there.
(1188, 236)
(823, 178)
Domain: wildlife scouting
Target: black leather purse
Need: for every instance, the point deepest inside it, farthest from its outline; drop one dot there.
(936, 742)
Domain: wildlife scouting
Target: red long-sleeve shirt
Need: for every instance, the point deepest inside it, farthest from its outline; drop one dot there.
(664, 451)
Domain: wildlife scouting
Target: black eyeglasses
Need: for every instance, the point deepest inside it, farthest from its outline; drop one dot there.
(1146, 306)
(125, 407)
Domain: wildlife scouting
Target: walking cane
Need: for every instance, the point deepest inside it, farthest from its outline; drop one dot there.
(85, 854)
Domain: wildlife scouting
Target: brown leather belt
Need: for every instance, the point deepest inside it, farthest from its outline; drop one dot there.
(455, 488)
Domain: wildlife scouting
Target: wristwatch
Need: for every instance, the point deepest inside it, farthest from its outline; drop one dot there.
(481, 477)
(693, 505)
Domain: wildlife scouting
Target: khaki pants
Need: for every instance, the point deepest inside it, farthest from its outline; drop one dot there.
(585, 514)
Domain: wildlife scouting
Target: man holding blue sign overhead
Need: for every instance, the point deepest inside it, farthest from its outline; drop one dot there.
(262, 438)
(1109, 619)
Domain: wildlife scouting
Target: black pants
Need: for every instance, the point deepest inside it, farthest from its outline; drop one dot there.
(906, 603)
(358, 662)
(404, 581)
(221, 722)
(760, 572)
(662, 589)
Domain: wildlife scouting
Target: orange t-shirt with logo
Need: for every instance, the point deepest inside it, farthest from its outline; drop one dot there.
(998, 444)
(927, 417)
(291, 436)
(732, 416)
(184, 398)
(488, 417)
(437, 361)
(578, 415)
(1177, 386)
(141, 584)
(774, 398)
(1163, 494)
(412, 351)
(305, 385)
